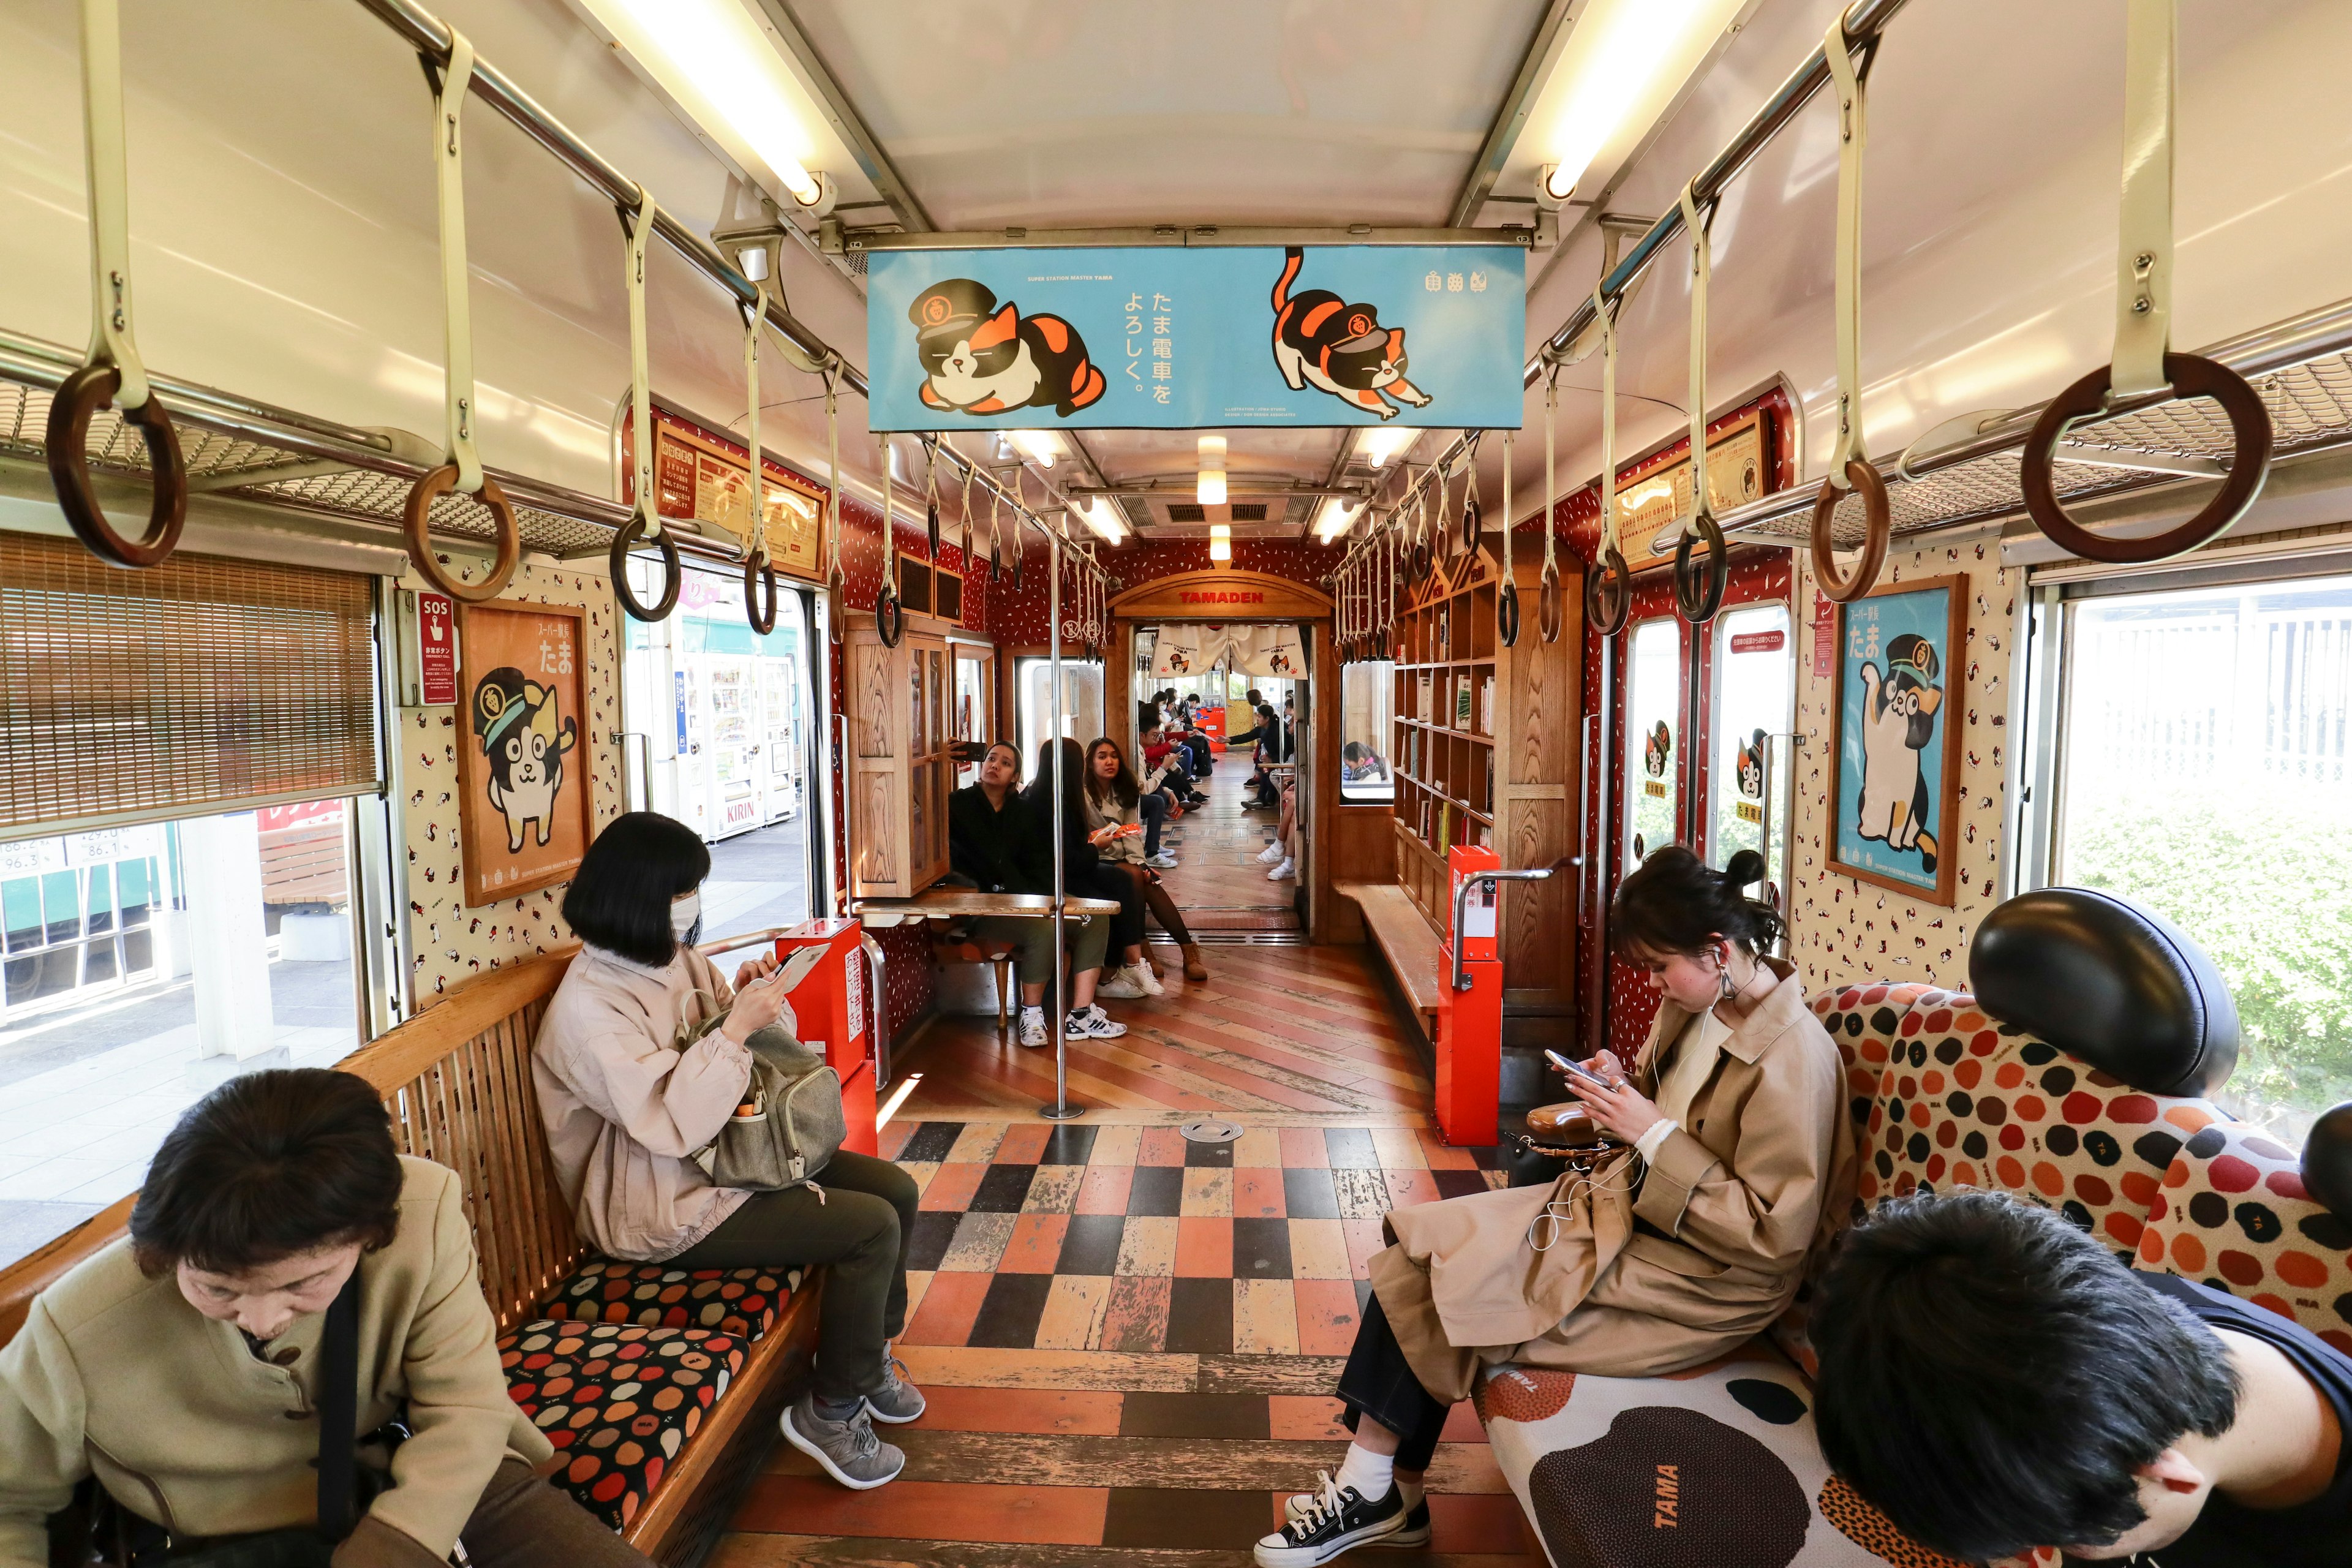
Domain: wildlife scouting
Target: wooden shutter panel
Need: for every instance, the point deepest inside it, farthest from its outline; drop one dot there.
(200, 685)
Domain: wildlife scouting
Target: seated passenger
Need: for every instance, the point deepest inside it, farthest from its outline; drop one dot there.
(1993, 1380)
(630, 1095)
(1358, 763)
(996, 841)
(1167, 764)
(180, 1366)
(1113, 800)
(1271, 748)
(1084, 875)
(1736, 1110)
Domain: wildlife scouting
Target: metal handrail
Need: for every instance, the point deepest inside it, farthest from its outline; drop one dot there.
(1461, 901)
(430, 36)
(1865, 25)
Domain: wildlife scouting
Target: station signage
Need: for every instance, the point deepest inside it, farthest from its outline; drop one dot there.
(1179, 337)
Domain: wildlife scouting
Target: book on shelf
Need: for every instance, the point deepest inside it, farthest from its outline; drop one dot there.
(1462, 703)
(1425, 698)
(1486, 707)
(1445, 824)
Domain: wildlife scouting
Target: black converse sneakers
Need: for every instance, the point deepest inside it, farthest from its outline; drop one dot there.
(1337, 1520)
(1413, 1532)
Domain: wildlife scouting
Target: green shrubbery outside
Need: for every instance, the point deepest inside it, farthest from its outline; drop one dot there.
(2260, 875)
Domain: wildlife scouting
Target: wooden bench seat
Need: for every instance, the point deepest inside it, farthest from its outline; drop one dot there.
(1405, 941)
(456, 1080)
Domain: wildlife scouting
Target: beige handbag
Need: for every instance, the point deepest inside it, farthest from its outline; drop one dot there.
(790, 1122)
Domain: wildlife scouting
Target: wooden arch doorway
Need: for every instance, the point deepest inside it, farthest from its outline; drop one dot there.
(1226, 597)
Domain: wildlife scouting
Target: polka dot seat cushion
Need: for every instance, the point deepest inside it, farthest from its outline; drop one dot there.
(2233, 1214)
(743, 1302)
(618, 1400)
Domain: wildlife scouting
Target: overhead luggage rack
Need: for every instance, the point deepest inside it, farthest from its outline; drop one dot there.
(2302, 367)
(234, 447)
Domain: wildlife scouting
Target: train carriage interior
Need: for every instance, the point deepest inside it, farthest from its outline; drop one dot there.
(1395, 749)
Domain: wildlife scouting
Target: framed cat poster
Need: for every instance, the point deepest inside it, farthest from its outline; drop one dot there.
(1895, 770)
(524, 773)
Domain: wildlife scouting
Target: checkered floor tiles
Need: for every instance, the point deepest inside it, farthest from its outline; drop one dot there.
(1129, 1343)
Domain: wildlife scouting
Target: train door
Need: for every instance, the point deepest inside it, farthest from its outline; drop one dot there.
(1748, 744)
(1081, 705)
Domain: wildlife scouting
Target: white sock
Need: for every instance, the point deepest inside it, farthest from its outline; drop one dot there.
(1370, 1474)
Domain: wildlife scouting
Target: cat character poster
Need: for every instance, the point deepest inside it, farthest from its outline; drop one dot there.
(980, 358)
(1321, 341)
(523, 776)
(1897, 773)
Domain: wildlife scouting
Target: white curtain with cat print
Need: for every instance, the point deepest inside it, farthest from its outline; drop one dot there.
(1177, 655)
(1274, 651)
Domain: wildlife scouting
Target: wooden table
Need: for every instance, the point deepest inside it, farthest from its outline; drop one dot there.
(953, 903)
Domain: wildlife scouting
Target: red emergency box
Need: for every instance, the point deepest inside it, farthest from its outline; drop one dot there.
(830, 1003)
(1470, 1022)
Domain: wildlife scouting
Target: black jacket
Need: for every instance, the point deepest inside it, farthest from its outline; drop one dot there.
(1002, 851)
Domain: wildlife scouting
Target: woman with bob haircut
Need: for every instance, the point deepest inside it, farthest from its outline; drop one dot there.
(1114, 798)
(181, 1365)
(1737, 1152)
(632, 1085)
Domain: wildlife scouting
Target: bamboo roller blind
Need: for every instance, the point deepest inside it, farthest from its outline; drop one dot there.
(199, 682)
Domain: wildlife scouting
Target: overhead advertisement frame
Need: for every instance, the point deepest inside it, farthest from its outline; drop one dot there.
(1173, 338)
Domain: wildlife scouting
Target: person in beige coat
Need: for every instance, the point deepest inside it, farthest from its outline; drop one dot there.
(634, 1080)
(181, 1365)
(1737, 1156)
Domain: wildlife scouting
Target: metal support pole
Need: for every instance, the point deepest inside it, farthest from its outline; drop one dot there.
(1061, 1109)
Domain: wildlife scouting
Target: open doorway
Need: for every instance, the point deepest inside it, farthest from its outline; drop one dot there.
(1242, 705)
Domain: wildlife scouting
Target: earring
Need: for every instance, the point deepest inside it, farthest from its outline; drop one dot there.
(1722, 979)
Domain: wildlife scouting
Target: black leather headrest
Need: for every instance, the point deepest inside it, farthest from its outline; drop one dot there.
(2327, 1160)
(2111, 983)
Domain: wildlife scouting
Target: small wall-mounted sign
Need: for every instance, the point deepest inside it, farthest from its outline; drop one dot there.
(1749, 812)
(1759, 642)
(428, 649)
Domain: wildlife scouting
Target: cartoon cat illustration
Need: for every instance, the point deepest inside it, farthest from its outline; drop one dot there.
(1657, 747)
(1751, 767)
(1898, 721)
(516, 718)
(1342, 349)
(980, 359)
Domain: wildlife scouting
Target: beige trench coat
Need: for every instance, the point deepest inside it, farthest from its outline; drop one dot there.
(1638, 1280)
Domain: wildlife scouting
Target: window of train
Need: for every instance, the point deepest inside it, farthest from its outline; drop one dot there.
(2204, 751)
(1368, 712)
(1082, 703)
(1755, 687)
(145, 966)
(1652, 720)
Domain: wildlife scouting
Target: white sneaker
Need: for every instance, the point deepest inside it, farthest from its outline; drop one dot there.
(1270, 854)
(1285, 872)
(1092, 1023)
(1121, 985)
(1147, 977)
(1033, 1029)
(1163, 861)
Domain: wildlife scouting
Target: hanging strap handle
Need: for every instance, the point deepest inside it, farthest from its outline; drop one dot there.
(889, 612)
(931, 498)
(1699, 586)
(113, 372)
(1609, 589)
(963, 511)
(1849, 464)
(2144, 364)
(461, 463)
(1474, 516)
(758, 572)
(644, 513)
(1548, 606)
(1507, 599)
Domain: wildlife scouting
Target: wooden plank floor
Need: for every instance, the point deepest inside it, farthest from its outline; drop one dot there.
(1219, 882)
(1129, 1340)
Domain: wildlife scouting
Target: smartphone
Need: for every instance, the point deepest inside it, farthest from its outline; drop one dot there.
(1577, 1073)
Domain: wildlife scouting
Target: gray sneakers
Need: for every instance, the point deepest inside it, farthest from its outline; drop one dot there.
(848, 1450)
(895, 1400)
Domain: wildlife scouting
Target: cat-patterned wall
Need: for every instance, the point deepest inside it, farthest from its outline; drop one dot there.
(451, 942)
(1842, 929)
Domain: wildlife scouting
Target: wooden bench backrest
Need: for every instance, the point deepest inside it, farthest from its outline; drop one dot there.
(456, 1079)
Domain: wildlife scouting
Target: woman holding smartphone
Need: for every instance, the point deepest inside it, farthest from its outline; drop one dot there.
(1086, 874)
(1114, 799)
(1685, 1242)
(631, 1088)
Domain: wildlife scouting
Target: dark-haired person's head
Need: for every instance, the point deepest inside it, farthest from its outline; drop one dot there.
(1256, 699)
(265, 1194)
(629, 895)
(1993, 1380)
(1000, 766)
(1074, 773)
(1684, 921)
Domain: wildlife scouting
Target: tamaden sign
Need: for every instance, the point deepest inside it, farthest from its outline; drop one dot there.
(1180, 338)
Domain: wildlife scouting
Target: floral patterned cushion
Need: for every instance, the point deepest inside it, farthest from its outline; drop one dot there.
(2233, 1214)
(618, 1400)
(743, 1302)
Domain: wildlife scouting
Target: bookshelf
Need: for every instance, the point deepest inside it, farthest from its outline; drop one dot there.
(1484, 751)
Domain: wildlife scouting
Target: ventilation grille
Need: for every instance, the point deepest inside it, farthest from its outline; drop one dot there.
(1186, 511)
(1253, 512)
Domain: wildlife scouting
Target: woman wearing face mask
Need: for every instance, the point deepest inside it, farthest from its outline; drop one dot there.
(629, 1099)
(1669, 1254)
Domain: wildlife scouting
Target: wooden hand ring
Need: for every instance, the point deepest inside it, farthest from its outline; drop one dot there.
(1872, 491)
(78, 399)
(416, 517)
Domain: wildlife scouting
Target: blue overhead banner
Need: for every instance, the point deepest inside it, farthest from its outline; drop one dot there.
(1177, 338)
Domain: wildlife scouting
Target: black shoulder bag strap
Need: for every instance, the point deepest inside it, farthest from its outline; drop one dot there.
(339, 1412)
